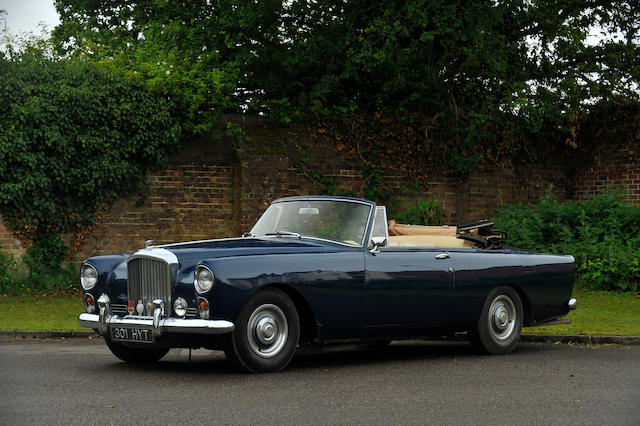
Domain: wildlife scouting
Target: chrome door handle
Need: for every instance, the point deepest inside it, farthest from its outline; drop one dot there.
(443, 256)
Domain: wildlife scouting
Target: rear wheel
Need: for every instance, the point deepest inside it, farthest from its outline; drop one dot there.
(498, 328)
(266, 333)
(135, 355)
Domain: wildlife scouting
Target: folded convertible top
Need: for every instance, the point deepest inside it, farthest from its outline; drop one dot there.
(482, 234)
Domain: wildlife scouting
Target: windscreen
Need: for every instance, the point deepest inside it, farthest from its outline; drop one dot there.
(343, 221)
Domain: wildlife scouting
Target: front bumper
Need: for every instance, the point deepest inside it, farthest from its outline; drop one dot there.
(159, 327)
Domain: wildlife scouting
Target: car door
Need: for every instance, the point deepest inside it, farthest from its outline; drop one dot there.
(407, 289)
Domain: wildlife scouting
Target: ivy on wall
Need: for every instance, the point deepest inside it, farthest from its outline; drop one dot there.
(74, 136)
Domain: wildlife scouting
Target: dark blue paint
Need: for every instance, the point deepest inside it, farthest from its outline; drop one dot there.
(407, 290)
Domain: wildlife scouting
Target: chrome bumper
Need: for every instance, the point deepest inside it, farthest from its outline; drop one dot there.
(159, 326)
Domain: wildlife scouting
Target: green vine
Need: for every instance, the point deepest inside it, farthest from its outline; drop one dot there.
(328, 184)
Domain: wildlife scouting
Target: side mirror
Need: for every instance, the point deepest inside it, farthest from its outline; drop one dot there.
(377, 243)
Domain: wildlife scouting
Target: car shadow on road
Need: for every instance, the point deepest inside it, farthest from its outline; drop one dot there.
(398, 352)
(214, 362)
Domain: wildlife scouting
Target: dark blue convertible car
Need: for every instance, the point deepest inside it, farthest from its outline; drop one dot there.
(322, 270)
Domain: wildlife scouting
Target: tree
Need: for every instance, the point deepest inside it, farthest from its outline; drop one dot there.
(74, 135)
(483, 75)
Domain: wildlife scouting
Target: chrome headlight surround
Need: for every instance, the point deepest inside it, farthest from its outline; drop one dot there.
(202, 279)
(88, 276)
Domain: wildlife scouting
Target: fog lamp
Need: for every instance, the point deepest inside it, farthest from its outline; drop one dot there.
(180, 307)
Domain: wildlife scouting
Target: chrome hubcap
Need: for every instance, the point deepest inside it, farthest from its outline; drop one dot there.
(267, 330)
(502, 318)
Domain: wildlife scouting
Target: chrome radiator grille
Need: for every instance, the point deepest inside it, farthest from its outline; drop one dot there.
(148, 279)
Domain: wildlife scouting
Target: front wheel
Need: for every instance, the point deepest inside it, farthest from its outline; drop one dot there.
(266, 333)
(498, 328)
(135, 355)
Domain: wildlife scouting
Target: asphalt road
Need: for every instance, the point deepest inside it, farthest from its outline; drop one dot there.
(80, 382)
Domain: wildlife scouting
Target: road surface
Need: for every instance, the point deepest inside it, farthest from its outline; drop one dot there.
(80, 382)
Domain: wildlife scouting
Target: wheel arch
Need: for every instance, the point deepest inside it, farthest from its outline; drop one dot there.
(308, 323)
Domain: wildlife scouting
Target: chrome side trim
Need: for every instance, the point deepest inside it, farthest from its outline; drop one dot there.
(167, 325)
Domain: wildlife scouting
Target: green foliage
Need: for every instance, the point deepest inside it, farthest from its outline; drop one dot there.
(42, 282)
(7, 271)
(600, 233)
(423, 212)
(46, 254)
(43, 273)
(485, 77)
(74, 135)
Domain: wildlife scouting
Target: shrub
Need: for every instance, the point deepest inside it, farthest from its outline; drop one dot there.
(45, 274)
(7, 271)
(46, 255)
(601, 233)
(423, 212)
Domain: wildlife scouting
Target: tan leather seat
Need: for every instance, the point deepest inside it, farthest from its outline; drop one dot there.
(400, 229)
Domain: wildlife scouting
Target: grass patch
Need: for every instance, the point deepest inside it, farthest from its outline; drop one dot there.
(599, 313)
(28, 312)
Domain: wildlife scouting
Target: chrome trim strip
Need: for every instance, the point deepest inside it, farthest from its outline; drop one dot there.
(167, 325)
(322, 198)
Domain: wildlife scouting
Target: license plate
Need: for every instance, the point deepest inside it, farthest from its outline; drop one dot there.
(130, 334)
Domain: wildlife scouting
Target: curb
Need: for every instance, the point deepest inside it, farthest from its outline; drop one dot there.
(29, 334)
(582, 339)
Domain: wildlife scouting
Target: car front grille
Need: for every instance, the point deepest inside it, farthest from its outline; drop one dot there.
(149, 279)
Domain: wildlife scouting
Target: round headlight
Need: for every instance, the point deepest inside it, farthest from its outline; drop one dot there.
(203, 279)
(88, 276)
(180, 307)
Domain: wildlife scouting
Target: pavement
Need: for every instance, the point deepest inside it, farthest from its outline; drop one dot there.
(534, 338)
(78, 381)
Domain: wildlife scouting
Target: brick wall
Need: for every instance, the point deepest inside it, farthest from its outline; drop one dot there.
(205, 192)
(183, 202)
(610, 169)
(8, 243)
